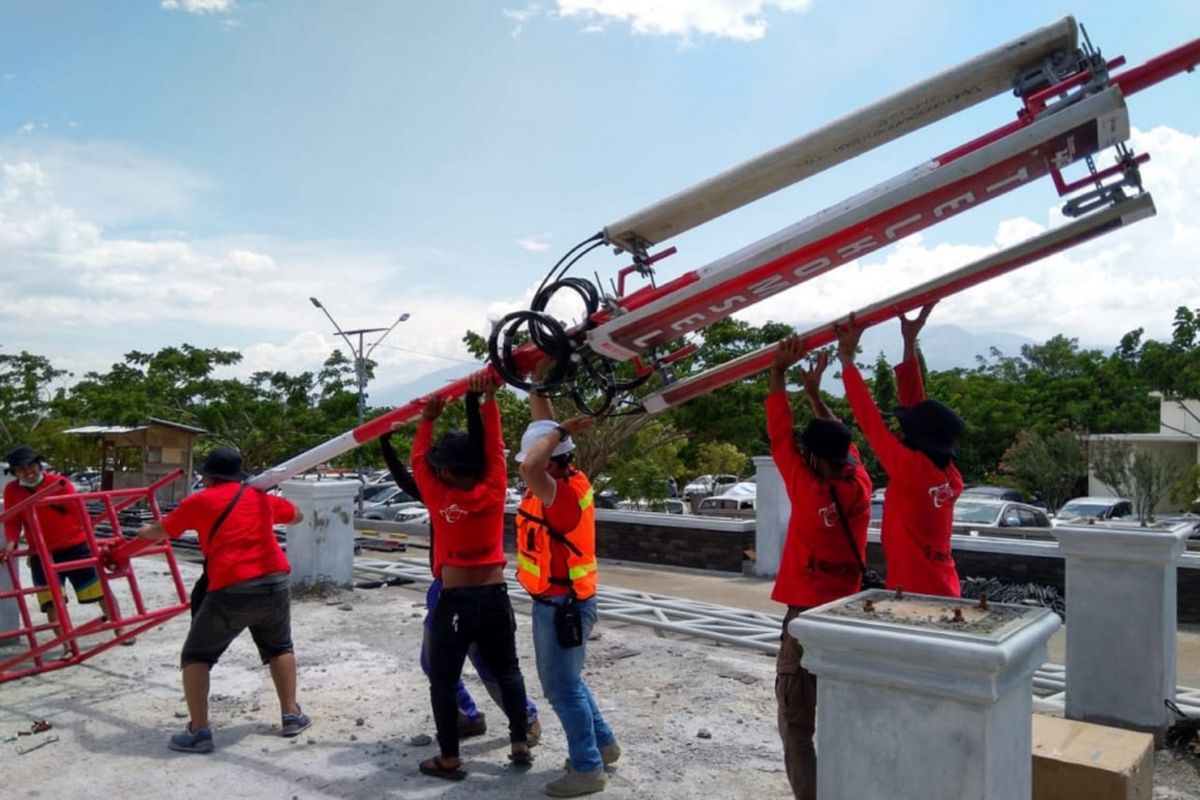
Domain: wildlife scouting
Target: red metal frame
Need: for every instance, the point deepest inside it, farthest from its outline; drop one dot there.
(1055, 241)
(757, 282)
(33, 660)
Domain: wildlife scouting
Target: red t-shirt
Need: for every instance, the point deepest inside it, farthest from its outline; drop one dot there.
(245, 546)
(919, 509)
(470, 521)
(818, 565)
(59, 523)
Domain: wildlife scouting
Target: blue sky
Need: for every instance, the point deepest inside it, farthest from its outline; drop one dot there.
(194, 170)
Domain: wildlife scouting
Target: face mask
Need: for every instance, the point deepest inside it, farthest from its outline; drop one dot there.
(35, 482)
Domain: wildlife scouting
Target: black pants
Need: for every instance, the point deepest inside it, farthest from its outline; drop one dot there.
(483, 616)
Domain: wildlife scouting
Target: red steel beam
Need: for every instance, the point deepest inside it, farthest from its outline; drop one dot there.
(1034, 249)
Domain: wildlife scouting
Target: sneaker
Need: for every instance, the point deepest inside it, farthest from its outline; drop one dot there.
(610, 752)
(192, 741)
(577, 784)
(294, 724)
(468, 727)
(533, 733)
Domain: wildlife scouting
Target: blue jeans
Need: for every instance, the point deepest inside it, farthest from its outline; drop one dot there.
(560, 671)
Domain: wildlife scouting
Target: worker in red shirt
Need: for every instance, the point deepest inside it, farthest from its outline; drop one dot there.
(248, 587)
(62, 531)
(467, 500)
(830, 494)
(923, 481)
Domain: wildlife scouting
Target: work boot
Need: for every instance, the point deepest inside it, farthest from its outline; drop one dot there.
(610, 752)
(533, 733)
(577, 784)
(468, 727)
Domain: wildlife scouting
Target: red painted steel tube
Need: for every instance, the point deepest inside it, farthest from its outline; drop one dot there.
(1058, 240)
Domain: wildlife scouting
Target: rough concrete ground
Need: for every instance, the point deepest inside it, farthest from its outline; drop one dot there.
(360, 682)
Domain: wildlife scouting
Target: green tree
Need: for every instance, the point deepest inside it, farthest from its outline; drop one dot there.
(713, 458)
(25, 395)
(1049, 467)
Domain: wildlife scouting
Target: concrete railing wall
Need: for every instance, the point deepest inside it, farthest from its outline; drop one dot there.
(682, 540)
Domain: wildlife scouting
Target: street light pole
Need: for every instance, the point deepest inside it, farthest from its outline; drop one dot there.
(360, 372)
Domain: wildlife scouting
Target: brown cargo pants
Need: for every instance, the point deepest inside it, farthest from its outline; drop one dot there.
(796, 696)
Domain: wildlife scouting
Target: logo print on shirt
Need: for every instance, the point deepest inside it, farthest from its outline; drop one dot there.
(452, 513)
(829, 515)
(940, 495)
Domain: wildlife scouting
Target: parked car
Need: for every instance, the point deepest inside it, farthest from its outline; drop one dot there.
(85, 480)
(987, 512)
(1082, 509)
(708, 486)
(373, 491)
(415, 513)
(741, 506)
(386, 503)
(996, 493)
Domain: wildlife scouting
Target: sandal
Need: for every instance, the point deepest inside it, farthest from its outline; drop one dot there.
(436, 768)
(521, 758)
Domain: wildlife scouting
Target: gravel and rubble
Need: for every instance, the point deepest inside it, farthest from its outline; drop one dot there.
(695, 719)
(360, 682)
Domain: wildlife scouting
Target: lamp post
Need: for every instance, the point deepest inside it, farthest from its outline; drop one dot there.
(360, 370)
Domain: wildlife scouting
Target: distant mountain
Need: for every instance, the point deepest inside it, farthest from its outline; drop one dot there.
(944, 346)
(396, 394)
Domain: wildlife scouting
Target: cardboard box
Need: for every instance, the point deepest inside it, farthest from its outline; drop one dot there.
(1081, 760)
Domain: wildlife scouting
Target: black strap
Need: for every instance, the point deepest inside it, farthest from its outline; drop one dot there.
(849, 536)
(225, 513)
(555, 535)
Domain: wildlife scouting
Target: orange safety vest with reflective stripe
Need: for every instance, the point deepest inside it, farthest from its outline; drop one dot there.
(535, 539)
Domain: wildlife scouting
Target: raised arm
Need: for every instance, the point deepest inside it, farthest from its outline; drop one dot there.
(537, 460)
(422, 472)
(910, 387)
(539, 404)
(811, 378)
(886, 446)
(400, 474)
(495, 465)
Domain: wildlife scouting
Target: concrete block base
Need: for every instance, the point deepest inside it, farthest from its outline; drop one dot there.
(321, 547)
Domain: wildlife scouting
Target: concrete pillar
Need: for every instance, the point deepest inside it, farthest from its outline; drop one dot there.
(1121, 587)
(910, 708)
(771, 516)
(321, 548)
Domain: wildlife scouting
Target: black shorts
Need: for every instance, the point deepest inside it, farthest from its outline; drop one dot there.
(225, 613)
(85, 580)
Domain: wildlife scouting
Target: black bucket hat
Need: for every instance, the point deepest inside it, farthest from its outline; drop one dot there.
(454, 452)
(19, 457)
(828, 440)
(224, 463)
(931, 427)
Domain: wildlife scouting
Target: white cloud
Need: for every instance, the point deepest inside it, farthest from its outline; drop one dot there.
(26, 128)
(1133, 278)
(535, 244)
(68, 282)
(200, 6)
(741, 20)
(521, 16)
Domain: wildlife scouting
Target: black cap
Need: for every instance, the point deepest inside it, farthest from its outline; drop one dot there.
(931, 427)
(454, 452)
(828, 440)
(224, 463)
(19, 457)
